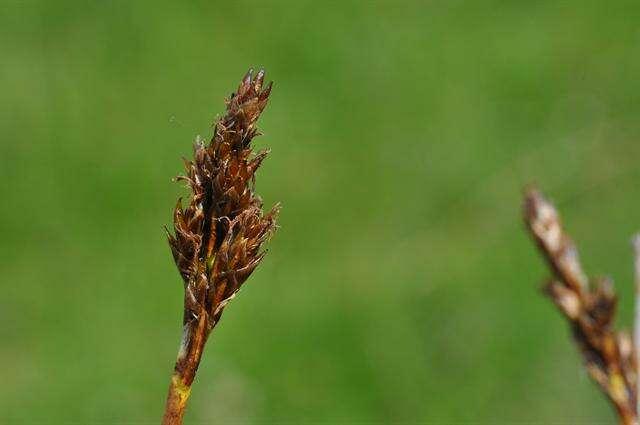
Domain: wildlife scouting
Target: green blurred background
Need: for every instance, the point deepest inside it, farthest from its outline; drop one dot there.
(400, 288)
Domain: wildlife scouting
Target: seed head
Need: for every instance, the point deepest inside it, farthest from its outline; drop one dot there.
(589, 306)
(218, 237)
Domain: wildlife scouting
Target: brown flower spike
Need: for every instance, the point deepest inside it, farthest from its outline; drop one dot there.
(590, 309)
(218, 237)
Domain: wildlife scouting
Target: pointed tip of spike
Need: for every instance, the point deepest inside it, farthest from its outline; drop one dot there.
(247, 76)
(257, 82)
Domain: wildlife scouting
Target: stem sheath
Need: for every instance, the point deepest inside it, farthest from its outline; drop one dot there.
(194, 337)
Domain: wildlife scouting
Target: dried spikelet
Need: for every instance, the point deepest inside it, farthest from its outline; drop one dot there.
(218, 237)
(607, 354)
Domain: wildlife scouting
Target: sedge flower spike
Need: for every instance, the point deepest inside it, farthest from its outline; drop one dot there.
(218, 237)
(588, 305)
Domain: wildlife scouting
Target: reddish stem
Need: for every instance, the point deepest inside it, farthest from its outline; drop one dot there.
(194, 338)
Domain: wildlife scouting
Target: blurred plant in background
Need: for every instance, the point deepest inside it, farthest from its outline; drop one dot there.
(609, 356)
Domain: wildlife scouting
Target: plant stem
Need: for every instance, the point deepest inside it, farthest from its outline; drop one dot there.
(627, 418)
(194, 337)
(176, 401)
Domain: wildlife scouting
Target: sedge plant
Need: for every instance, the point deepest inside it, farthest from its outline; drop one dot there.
(218, 236)
(589, 307)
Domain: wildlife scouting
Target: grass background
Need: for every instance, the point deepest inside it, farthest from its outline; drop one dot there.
(400, 288)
